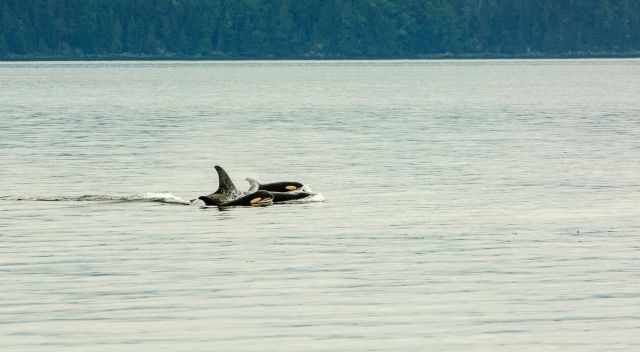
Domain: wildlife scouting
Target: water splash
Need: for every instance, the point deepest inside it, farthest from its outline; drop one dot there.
(166, 198)
(315, 198)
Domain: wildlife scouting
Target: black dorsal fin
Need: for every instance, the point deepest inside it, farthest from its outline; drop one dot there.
(225, 185)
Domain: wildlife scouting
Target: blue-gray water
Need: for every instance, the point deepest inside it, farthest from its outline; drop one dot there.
(470, 205)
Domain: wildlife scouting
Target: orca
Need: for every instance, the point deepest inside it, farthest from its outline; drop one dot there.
(290, 186)
(281, 191)
(226, 191)
(255, 199)
(227, 195)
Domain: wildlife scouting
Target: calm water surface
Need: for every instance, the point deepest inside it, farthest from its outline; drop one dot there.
(469, 205)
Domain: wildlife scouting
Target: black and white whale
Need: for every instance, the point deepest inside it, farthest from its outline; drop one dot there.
(281, 191)
(256, 199)
(227, 194)
(290, 186)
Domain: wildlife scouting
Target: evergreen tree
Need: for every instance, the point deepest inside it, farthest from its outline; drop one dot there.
(317, 28)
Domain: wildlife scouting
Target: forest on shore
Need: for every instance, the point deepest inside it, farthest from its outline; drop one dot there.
(317, 28)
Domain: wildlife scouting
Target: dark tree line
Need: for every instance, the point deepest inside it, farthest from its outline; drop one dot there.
(316, 28)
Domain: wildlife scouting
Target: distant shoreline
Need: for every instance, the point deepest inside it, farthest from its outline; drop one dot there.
(446, 56)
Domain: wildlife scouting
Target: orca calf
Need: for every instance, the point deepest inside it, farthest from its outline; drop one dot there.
(281, 186)
(256, 199)
(277, 186)
(281, 191)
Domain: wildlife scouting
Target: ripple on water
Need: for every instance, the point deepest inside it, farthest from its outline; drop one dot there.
(454, 218)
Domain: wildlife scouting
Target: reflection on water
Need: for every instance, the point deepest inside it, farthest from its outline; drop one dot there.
(483, 205)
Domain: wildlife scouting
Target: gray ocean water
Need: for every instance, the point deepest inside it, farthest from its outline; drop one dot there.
(468, 205)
